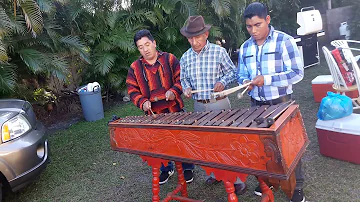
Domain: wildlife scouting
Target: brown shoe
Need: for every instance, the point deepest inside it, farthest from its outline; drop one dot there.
(240, 189)
(211, 181)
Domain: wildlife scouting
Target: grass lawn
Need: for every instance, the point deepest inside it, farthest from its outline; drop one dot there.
(84, 168)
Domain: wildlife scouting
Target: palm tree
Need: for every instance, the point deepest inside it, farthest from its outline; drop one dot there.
(38, 46)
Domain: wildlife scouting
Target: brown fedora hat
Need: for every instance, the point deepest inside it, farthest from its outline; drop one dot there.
(195, 26)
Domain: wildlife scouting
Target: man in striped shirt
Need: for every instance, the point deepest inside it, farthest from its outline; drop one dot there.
(270, 60)
(206, 68)
(153, 84)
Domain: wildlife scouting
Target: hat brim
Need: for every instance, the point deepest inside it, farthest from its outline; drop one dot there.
(191, 34)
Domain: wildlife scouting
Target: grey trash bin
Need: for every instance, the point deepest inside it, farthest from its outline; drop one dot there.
(91, 103)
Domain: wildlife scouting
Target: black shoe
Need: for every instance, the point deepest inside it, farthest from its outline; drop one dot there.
(240, 189)
(188, 175)
(298, 196)
(211, 181)
(164, 176)
(258, 191)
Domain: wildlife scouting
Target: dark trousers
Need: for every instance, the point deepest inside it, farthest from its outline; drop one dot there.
(170, 166)
(299, 174)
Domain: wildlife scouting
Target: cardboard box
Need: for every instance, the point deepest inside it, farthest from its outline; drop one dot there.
(322, 84)
(340, 138)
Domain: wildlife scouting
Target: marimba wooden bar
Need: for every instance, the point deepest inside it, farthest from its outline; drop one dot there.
(266, 141)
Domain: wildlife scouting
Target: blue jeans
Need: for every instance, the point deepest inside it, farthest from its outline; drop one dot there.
(170, 166)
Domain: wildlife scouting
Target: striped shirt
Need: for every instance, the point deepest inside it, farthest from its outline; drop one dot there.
(150, 82)
(201, 71)
(278, 60)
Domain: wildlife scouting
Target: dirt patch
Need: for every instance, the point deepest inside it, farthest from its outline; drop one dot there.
(66, 112)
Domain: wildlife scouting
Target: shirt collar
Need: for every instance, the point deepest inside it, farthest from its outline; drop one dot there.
(142, 59)
(270, 35)
(205, 48)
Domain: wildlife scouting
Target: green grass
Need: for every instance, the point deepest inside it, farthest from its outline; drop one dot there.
(84, 168)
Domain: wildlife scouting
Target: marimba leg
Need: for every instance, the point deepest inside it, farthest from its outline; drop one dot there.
(288, 186)
(155, 184)
(181, 179)
(230, 190)
(267, 194)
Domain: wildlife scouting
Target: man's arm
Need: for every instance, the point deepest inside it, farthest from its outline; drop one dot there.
(134, 90)
(184, 79)
(243, 73)
(175, 66)
(228, 68)
(294, 67)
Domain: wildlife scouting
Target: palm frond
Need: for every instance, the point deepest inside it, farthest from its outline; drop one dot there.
(168, 6)
(221, 7)
(168, 35)
(75, 43)
(45, 5)
(215, 31)
(19, 25)
(33, 59)
(137, 16)
(72, 41)
(7, 77)
(57, 66)
(3, 54)
(113, 18)
(104, 61)
(116, 79)
(123, 40)
(188, 7)
(6, 25)
(32, 15)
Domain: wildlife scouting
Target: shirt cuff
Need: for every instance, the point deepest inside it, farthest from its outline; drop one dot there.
(244, 81)
(267, 80)
(223, 82)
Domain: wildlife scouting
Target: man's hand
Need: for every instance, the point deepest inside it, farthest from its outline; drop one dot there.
(146, 106)
(169, 95)
(250, 86)
(218, 87)
(187, 92)
(258, 81)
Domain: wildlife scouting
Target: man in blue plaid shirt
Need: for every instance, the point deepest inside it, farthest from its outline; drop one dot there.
(207, 68)
(270, 60)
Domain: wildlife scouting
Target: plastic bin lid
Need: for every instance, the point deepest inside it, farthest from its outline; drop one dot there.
(349, 124)
(323, 79)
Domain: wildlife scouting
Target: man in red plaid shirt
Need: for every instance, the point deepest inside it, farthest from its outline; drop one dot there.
(153, 84)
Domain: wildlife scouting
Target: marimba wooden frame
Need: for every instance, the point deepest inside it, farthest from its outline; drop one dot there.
(228, 152)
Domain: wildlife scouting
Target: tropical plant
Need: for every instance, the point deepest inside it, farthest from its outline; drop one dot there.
(39, 46)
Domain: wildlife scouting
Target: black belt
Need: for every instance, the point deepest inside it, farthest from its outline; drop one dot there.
(210, 100)
(272, 102)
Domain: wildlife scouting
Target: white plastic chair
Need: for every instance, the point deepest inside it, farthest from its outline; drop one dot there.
(339, 82)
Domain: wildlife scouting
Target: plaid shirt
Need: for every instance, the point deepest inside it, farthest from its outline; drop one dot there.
(278, 60)
(201, 71)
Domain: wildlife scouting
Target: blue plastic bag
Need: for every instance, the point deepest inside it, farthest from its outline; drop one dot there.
(335, 106)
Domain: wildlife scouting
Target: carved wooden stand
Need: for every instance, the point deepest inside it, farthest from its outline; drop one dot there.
(228, 177)
(155, 163)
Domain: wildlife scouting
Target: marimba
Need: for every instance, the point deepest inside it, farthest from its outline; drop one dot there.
(265, 141)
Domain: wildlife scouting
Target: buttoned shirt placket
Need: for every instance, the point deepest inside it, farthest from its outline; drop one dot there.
(258, 70)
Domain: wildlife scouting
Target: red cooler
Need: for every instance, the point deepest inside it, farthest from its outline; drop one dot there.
(321, 85)
(340, 138)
